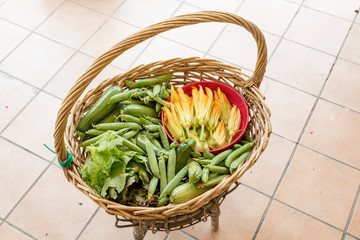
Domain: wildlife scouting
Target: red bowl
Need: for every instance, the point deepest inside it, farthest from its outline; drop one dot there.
(234, 98)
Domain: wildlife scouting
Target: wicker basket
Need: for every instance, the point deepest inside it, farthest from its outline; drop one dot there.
(186, 70)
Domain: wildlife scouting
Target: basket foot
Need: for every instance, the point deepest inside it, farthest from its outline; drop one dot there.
(214, 214)
(139, 232)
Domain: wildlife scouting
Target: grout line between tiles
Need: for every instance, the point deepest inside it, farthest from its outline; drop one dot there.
(188, 234)
(27, 192)
(301, 134)
(351, 214)
(18, 229)
(88, 223)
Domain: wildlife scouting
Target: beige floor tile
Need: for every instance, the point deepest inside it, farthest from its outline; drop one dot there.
(143, 13)
(241, 212)
(354, 227)
(18, 172)
(11, 36)
(28, 14)
(284, 223)
(297, 68)
(351, 49)
(348, 237)
(357, 20)
(16, 95)
(343, 85)
(164, 49)
(106, 7)
(71, 24)
(34, 126)
(320, 187)
(237, 46)
(265, 174)
(318, 30)
(53, 209)
(198, 36)
(106, 37)
(289, 108)
(227, 6)
(66, 77)
(103, 227)
(34, 62)
(344, 9)
(9, 233)
(261, 11)
(178, 235)
(333, 130)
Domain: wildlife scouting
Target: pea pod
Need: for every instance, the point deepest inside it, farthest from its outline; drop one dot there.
(164, 93)
(183, 153)
(213, 181)
(122, 96)
(174, 182)
(137, 110)
(164, 138)
(234, 165)
(140, 141)
(221, 157)
(152, 127)
(149, 81)
(131, 145)
(152, 187)
(129, 118)
(171, 164)
(117, 126)
(207, 154)
(129, 134)
(237, 153)
(163, 201)
(94, 132)
(217, 169)
(154, 166)
(153, 120)
(205, 175)
(99, 110)
(196, 154)
(163, 178)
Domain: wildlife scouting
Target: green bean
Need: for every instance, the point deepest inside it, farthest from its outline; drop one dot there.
(117, 126)
(122, 96)
(152, 187)
(94, 132)
(171, 164)
(207, 154)
(234, 165)
(237, 153)
(154, 166)
(148, 81)
(163, 178)
(129, 118)
(221, 156)
(164, 138)
(217, 169)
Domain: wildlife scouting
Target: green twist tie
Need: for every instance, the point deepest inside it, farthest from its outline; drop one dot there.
(68, 160)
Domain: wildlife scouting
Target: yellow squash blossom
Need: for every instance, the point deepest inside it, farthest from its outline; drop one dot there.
(173, 124)
(219, 137)
(214, 117)
(234, 122)
(225, 105)
(202, 104)
(185, 109)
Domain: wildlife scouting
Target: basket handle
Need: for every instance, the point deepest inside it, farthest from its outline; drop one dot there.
(151, 31)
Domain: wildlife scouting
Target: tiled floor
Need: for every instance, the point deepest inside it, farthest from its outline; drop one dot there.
(306, 185)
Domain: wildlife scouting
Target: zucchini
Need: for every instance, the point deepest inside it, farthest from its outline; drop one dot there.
(99, 110)
(185, 192)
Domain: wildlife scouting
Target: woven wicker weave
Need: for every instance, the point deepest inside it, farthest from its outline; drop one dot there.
(185, 71)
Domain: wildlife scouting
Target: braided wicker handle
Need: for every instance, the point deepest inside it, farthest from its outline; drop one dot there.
(151, 31)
